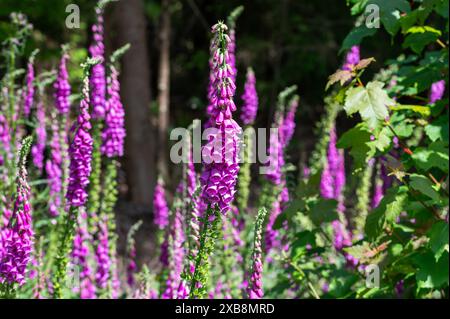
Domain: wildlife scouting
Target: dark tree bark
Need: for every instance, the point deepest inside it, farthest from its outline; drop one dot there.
(136, 95)
(164, 89)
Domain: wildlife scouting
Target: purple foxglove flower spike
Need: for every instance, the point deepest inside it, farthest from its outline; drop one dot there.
(97, 79)
(276, 156)
(113, 135)
(29, 89)
(378, 189)
(160, 208)
(62, 87)
(80, 154)
(250, 99)
(18, 236)
(255, 289)
(5, 139)
(220, 154)
(289, 122)
(102, 256)
(37, 151)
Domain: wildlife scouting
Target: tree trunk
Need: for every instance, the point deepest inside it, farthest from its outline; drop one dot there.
(164, 89)
(136, 96)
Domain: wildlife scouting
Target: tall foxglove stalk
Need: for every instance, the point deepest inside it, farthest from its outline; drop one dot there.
(160, 208)
(378, 191)
(98, 78)
(255, 289)
(288, 127)
(62, 86)
(17, 237)
(220, 154)
(131, 254)
(161, 220)
(37, 151)
(250, 99)
(113, 135)
(80, 151)
(5, 140)
(29, 88)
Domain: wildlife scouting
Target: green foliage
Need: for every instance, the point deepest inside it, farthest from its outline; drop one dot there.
(371, 102)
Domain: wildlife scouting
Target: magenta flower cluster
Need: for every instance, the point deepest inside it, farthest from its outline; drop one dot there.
(352, 58)
(437, 91)
(17, 238)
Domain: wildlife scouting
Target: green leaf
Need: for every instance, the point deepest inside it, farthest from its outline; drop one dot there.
(358, 251)
(295, 206)
(436, 155)
(371, 102)
(423, 185)
(442, 8)
(383, 139)
(438, 129)
(356, 36)
(431, 274)
(422, 110)
(358, 141)
(323, 211)
(419, 37)
(390, 12)
(439, 239)
(386, 212)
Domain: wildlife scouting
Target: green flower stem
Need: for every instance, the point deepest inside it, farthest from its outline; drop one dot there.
(61, 260)
(208, 236)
